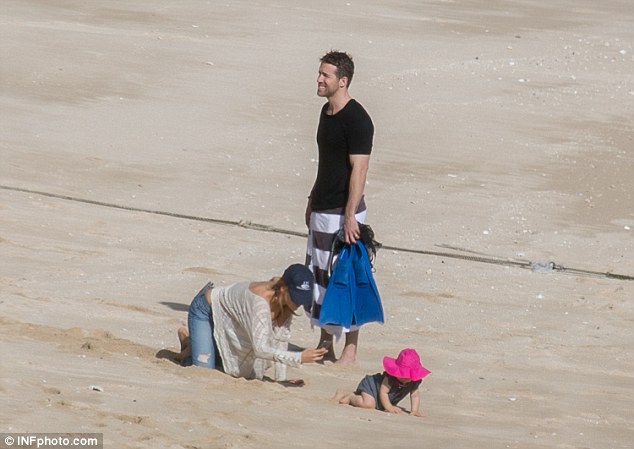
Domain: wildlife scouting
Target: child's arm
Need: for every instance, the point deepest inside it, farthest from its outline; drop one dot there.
(414, 398)
(384, 398)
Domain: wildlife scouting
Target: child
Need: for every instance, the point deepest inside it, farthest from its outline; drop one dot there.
(383, 391)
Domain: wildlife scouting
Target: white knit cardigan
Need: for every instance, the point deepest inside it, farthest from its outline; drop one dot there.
(248, 341)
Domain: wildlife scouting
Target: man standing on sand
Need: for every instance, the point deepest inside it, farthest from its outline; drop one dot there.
(344, 139)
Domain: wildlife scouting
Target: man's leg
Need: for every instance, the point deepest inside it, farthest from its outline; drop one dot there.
(349, 353)
(322, 231)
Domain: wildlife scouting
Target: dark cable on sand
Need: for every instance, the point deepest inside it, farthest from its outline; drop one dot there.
(539, 267)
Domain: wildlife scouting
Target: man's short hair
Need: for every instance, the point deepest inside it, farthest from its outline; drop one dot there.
(342, 61)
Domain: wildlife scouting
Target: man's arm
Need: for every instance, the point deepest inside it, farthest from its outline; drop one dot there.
(309, 210)
(360, 164)
(309, 206)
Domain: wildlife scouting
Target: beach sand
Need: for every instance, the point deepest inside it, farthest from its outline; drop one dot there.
(150, 146)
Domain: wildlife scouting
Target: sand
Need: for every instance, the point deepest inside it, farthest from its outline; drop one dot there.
(150, 146)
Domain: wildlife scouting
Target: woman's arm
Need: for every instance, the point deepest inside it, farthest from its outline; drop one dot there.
(281, 337)
(270, 342)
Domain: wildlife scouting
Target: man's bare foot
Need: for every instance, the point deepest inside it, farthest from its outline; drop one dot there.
(348, 355)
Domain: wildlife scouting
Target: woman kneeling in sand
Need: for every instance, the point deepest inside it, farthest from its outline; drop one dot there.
(244, 328)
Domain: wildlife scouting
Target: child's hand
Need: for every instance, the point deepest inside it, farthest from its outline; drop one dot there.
(395, 410)
(417, 414)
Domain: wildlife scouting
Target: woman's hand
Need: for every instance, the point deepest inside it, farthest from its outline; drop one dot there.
(313, 355)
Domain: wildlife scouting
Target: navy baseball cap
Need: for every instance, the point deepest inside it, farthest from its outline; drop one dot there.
(300, 280)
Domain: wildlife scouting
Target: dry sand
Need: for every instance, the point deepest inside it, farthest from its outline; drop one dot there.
(503, 134)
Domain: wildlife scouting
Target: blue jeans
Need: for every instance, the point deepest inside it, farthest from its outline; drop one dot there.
(201, 332)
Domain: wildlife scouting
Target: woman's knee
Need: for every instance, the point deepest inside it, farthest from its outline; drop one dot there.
(205, 360)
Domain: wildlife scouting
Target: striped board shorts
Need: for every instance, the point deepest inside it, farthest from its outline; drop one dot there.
(322, 232)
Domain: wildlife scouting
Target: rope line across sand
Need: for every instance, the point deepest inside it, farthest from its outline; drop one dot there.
(539, 267)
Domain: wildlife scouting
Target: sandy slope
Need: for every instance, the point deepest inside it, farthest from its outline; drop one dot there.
(504, 138)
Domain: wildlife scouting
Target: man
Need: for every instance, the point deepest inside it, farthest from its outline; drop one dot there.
(344, 139)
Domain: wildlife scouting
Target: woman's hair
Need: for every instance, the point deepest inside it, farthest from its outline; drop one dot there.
(343, 62)
(280, 288)
(279, 285)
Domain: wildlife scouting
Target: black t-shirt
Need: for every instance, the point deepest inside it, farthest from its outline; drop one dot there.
(350, 131)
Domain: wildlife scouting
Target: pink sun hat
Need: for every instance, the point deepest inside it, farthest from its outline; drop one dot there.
(407, 365)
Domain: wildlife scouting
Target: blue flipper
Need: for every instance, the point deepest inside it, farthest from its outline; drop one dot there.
(367, 301)
(336, 307)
